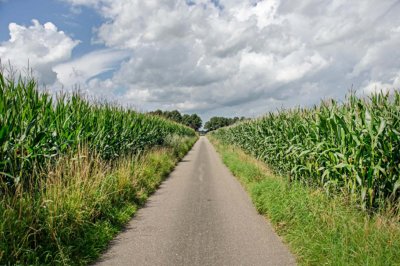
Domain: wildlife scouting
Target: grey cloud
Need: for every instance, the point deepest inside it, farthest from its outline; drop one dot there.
(249, 56)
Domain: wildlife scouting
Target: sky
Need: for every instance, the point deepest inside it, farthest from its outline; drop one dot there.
(210, 57)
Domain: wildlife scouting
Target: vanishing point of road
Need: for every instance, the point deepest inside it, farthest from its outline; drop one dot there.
(200, 215)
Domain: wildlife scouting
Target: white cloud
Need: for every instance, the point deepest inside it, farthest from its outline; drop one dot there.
(378, 86)
(189, 55)
(81, 70)
(43, 46)
(245, 57)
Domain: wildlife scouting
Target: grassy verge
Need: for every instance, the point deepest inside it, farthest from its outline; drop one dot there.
(320, 230)
(83, 204)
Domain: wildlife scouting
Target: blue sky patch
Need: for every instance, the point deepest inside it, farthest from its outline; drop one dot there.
(78, 24)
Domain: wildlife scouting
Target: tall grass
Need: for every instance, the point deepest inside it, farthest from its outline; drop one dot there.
(36, 129)
(353, 147)
(80, 206)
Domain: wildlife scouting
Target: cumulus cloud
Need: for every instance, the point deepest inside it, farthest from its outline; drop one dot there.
(246, 57)
(80, 71)
(379, 86)
(43, 46)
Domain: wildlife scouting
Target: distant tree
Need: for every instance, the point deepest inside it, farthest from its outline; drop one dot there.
(157, 112)
(174, 115)
(215, 123)
(218, 122)
(186, 119)
(194, 121)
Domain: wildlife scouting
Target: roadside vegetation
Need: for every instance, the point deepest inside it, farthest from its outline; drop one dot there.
(73, 172)
(328, 177)
(320, 229)
(350, 148)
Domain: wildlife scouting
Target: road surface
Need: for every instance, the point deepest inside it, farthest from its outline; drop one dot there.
(200, 215)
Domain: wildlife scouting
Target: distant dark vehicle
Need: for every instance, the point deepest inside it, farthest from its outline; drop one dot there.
(202, 132)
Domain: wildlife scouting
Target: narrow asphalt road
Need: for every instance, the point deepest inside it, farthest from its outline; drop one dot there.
(201, 215)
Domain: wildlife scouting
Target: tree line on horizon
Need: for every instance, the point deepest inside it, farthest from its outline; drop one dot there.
(218, 122)
(194, 121)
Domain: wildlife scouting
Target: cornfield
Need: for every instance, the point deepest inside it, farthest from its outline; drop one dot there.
(36, 129)
(352, 147)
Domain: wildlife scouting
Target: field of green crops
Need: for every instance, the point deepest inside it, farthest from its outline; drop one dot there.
(35, 130)
(73, 172)
(351, 147)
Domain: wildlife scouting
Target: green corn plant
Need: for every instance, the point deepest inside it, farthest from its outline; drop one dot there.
(352, 146)
(36, 129)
